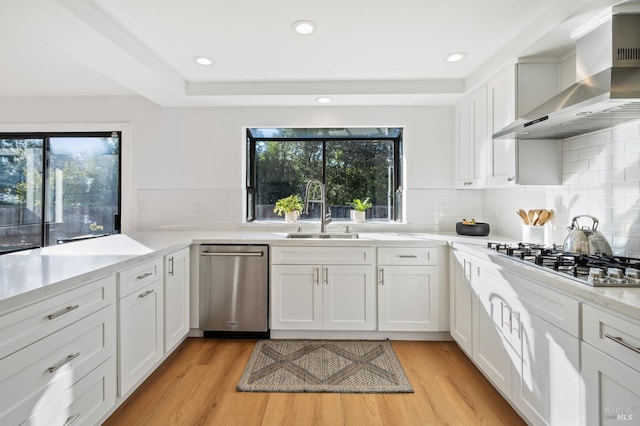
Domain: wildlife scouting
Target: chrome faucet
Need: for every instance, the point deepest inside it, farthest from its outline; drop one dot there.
(311, 196)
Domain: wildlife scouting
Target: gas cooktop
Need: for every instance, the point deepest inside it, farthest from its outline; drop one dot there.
(597, 270)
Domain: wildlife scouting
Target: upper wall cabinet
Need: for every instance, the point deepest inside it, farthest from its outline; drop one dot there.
(472, 137)
(512, 93)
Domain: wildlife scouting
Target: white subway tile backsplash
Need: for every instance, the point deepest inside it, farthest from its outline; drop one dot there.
(600, 163)
(589, 153)
(600, 138)
(575, 166)
(612, 175)
(614, 148)
(632, 173)
(572, 155)
(623, 133)
(632, 145)
(600, 177)
(589, 177)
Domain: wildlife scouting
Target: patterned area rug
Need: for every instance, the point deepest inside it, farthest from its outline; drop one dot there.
(340, 366)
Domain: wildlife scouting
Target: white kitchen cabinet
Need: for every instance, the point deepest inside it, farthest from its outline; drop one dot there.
(461, 298)
(140, 326)
(322, 297)
(408, 289)
(513, 92)
(472, 138)
(495, 350)
(330, 296)
(610, 367)
(62, 341)
(176, 298)
(524, 338)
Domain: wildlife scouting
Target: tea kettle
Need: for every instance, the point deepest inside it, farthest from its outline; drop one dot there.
(585, 240)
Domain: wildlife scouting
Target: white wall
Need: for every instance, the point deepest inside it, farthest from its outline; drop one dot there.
(187, 164)
(600, 177)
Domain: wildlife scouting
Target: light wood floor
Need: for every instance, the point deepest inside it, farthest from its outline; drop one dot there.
(197, 386)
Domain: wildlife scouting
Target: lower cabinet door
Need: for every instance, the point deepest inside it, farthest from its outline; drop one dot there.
(140, 331)
(492, 351)
(546, 387)
(611, 392)
(296, 297)
(176, 298)
(349, 300)
(461, 301)
(408, 298)
(85, 403)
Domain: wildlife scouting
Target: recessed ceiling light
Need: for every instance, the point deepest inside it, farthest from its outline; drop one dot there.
(455, 57)
(303, 27)
(323, 100)
(203, 60)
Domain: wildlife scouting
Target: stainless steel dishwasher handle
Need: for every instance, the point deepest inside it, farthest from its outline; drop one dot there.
(245, 254)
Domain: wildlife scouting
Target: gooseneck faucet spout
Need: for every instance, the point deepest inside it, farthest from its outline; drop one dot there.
(312, 196)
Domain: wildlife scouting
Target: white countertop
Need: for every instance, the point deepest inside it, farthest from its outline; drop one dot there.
(619, 299)
(33, 274)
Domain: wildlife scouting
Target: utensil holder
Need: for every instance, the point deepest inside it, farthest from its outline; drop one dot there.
(533, 234)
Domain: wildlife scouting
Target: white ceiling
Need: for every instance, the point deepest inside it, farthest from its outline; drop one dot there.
(364, 52)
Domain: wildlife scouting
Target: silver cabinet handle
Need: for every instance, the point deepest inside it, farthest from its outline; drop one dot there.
(143, 276)
(622, 342)
(62, 312)
(317, 275)
(325, 276)
(381, 276)
(244, 254)
(407, 256)
(519, 329)
(71, 419)
(171, 266)
(67, 360)
(145, 294)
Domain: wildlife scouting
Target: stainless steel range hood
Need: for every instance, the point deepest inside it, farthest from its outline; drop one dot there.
(608, 97)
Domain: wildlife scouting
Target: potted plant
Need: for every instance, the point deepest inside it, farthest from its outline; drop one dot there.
(358, 214)
(291, 206)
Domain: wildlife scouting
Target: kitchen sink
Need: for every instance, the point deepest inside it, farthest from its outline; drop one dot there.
(323, 235)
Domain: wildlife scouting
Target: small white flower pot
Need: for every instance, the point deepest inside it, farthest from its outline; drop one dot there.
(358, 216)
(291, 217)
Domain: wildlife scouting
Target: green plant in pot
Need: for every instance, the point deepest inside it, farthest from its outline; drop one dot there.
(290, 206)
(360, 207)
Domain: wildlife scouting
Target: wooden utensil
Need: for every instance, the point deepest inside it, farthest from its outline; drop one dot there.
(543, 217)
(530, 216)
(523, 216)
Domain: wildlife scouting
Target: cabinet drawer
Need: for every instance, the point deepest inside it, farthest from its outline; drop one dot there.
(84, 403)
(407, 256)
(322, 255)
(135, 278)
(614, 335)
(40, 372)
(554, 307)
(29, 324)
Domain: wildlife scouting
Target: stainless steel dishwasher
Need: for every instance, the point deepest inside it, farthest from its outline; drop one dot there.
(234, 290)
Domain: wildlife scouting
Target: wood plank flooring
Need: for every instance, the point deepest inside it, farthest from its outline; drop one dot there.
(197, 386)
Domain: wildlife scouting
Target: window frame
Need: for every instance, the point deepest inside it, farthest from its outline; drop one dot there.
(46, 152)
(395, 215)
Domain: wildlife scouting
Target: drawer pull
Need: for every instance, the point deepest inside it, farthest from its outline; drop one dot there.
(62, 312)
(143, 276)
(71, 419)
(67, 360)
(622, 342)
(145, 294)
(407, 256)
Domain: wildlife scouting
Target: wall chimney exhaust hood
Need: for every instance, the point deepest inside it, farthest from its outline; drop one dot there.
(609, 96)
